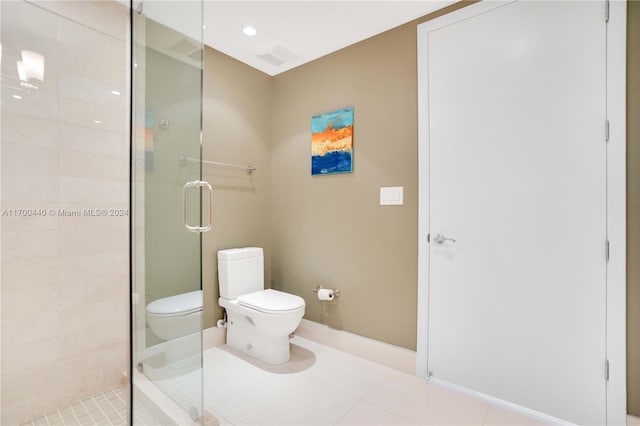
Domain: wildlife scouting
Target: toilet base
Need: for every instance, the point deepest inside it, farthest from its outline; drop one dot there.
(245, 337)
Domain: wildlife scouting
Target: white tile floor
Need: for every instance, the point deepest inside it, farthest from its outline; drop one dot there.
(319, 386)
(323, 386)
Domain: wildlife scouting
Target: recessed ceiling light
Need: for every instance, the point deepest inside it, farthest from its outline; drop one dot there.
(16, 96)
(249, 31)
(115, 92)
(97, 121)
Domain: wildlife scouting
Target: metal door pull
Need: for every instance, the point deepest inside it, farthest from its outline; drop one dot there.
(440, 239)
(185, 212)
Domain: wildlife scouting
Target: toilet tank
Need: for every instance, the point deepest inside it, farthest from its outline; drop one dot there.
(240, 271)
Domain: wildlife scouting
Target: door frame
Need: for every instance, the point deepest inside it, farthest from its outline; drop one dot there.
(616, 197)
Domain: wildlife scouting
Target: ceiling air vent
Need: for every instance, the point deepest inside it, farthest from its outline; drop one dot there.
(185, 46)
(277, 56)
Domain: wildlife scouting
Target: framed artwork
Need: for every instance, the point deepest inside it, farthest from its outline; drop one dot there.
(332, 142)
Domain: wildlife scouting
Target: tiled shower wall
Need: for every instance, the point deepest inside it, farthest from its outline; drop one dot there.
(64, 199)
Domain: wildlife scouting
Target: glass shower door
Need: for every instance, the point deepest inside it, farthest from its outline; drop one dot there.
(167, 202)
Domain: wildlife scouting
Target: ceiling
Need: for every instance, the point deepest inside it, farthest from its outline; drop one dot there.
(301, 31)
(296, 31)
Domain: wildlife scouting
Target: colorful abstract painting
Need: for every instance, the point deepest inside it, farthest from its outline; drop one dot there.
(332, 142)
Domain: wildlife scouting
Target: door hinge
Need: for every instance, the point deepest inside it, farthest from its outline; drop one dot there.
(606, 369)
(607, 250)
(428, 238)
(606, 11)
(606, 130)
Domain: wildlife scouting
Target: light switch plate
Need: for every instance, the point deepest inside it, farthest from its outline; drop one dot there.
(392, 196)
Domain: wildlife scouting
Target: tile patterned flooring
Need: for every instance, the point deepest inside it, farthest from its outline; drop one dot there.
(323, 386)
(318, 386)
(107, 408)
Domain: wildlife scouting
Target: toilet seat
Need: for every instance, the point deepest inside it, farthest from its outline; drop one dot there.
(271, 301)
(180, 304)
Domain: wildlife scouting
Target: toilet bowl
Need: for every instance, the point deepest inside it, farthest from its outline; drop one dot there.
(259, 321)
(175, 316)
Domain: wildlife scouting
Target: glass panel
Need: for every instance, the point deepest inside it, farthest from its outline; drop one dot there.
(64, 198)
(167, 115)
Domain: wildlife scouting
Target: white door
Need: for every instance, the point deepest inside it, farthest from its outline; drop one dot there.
(517, 168)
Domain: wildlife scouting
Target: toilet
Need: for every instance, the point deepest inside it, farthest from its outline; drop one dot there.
(175, 316)
(259, 321)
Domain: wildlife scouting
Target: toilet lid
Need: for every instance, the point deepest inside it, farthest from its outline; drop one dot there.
(182, 304)
(271, 301)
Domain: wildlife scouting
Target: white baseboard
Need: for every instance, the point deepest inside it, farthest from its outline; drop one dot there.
(392, 356)
(212, 337)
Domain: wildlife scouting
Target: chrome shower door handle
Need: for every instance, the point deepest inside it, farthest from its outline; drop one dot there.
(185, 212)
(440, 239)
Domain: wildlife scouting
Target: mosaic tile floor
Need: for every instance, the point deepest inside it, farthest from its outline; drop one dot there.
(107, 408)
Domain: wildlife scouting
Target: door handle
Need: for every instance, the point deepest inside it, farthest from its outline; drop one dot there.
(185, 211)
(440, 239)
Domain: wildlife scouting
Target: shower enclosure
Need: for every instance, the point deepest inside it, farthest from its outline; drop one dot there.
(101, 108)
(167, 194)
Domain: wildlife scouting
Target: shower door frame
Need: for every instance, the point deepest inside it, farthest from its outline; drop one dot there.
(160, 14)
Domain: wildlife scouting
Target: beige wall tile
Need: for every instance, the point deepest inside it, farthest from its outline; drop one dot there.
(86, 38)
(14, 414)
(91, 64)
(64, 278)
(87, 317)
(21, 273)
(105, 16)
(88, 165)
(42, 25)
(26, 383)
(116, 219)
(90, 190)
(35, 355)
(28, 189)
(91, 373)
(87, 88)
(93, 141)
(28, 329)
(22, 302)
(23, 159)
(29, 216)
(39, 104)
(91, 241)
(96, 290)
(27, 130)
(100, 268)
(104, 336)
(84, 113)
(29, 244)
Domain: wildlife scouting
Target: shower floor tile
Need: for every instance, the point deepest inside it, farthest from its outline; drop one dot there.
(107, 408)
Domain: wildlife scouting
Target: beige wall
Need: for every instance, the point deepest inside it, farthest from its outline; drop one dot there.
(237, 108)
(64, 278)
(331, 230)
(633, 208)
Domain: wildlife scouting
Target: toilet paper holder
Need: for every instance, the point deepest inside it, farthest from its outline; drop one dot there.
(336, 291)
